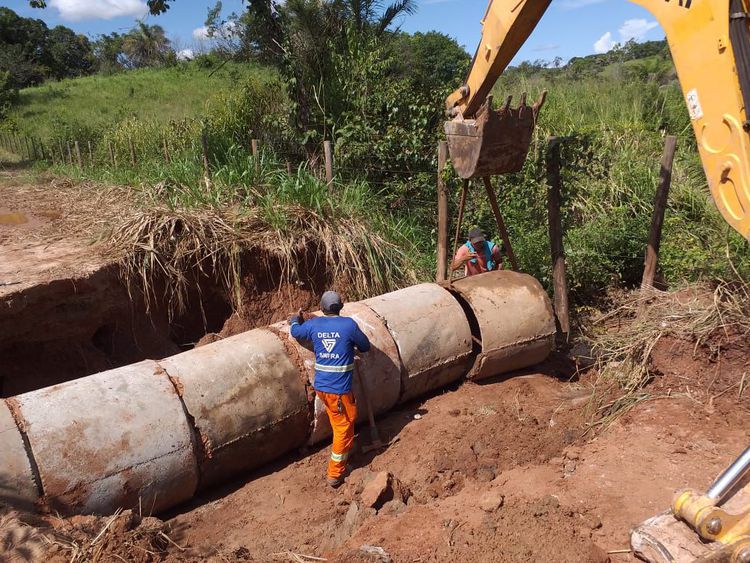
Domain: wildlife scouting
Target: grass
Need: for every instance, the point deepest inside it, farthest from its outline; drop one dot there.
(184, 226)
(634, 328)
(97, 102)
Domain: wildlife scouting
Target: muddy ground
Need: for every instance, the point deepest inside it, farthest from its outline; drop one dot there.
(509, 470)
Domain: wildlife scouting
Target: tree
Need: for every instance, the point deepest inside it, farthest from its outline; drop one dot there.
(108, 53)
(31, 52)
(8, 93)
(146, 45)
(68, 54)
(433, 61)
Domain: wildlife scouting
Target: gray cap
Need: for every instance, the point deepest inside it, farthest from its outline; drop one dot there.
(331, 302)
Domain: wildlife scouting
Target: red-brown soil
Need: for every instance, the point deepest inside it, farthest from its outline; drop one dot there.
(569, 493)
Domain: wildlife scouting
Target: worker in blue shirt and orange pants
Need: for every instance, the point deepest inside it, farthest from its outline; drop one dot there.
(334, 341)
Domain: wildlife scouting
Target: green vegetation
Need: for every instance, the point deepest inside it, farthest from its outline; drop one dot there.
(336, 73)
(86, 107)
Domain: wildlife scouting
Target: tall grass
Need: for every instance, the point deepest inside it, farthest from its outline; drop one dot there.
(83, 108)
(184, 225)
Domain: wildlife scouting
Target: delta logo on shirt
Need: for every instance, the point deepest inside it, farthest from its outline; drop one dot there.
(329, 341)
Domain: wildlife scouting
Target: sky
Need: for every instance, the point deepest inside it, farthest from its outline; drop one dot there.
(570, 28)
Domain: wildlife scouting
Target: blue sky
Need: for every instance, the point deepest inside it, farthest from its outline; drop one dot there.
(570, 27)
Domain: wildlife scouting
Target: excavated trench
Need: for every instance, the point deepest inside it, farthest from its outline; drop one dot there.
(66, 329)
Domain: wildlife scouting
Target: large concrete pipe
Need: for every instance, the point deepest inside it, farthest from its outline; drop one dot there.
(515, 318)
(247, 400)
(432, 333)
(149, 435)
(17, 484)
(380, 369)
(115, 439)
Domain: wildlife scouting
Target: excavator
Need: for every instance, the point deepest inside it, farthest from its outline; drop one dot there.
(710, 45)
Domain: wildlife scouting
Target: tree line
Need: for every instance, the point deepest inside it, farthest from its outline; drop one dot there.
(31, 53)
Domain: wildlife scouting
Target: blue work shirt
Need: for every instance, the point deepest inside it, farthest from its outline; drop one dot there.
(334, 339)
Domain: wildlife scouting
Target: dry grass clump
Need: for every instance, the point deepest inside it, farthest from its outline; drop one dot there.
(166, 249)
(627, 336)
(124, 536)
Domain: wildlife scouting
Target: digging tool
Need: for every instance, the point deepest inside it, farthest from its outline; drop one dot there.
(375, 442)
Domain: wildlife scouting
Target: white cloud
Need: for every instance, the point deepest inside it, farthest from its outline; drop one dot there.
(200, 33)
(185, 55)
(77, 10)
(635, 29)
(604, 44)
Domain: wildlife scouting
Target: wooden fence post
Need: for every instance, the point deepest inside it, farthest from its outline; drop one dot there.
(62, 152)
(79, 160)
(660, 208)
(329, 160)
(442, 193)
(70, 154)
(29, 156)
(165, 149)
(562, 306)
(254, 149)
(133, 160)
(500, 223)
(206, 163)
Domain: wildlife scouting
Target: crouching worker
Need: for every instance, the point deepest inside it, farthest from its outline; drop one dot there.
(334, 341)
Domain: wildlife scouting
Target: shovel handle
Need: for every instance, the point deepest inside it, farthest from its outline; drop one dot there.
(366, 396)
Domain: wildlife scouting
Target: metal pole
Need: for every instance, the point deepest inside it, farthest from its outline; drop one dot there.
(727, 480)
(501, 223)
(442, 193)
(461, 208)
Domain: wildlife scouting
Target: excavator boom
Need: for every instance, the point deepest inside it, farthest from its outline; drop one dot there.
(710, 45)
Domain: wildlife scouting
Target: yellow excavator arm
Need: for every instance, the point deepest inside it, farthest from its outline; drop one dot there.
(710, 44)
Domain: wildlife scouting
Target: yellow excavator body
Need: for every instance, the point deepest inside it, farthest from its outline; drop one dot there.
(710, 45)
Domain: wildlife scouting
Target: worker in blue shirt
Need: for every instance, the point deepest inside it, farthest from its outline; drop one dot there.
(334, 341)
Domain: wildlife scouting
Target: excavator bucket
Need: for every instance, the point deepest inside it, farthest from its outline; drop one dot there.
(496, 142)
(702, 528)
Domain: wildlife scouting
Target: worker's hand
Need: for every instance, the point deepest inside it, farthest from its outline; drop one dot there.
(470, 256)
(299, 318)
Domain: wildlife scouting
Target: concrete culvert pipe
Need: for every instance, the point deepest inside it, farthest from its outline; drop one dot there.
(432, 334)
(147, 436)
(380, 369)
(17, 483)
(115, 439)
(515, 320)
(247, 400)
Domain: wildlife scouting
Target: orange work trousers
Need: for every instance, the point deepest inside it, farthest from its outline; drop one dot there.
(342, 412)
